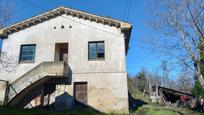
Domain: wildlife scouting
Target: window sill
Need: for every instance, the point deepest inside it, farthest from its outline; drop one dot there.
(22, 62)
(97, 59)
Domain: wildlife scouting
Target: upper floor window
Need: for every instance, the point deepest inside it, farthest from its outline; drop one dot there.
(96, 50)
(27, 53)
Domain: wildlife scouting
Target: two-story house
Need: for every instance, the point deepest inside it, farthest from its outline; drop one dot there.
(63, 58)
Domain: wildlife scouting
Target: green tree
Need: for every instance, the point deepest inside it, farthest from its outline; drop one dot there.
(197, 89)
(142, 80)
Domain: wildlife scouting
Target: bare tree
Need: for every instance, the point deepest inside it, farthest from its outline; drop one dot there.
(8, 63)
(181, 23)
(6, 10)
(165, 72)
(184, 81)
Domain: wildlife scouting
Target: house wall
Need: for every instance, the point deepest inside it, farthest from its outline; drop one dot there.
(106, 78)
(3, 86)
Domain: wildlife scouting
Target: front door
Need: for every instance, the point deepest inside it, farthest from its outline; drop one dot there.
(80, 92)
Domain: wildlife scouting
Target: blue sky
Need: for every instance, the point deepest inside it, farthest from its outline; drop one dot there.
(138, 57)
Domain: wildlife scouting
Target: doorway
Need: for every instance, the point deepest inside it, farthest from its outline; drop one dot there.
(80, 92)
(61, 52)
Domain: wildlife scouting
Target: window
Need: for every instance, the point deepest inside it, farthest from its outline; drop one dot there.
(96, 50)
(27, 53)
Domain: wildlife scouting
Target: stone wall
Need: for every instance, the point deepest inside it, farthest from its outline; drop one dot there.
(3, 88)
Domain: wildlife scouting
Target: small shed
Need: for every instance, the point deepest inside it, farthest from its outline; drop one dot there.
(168, 96)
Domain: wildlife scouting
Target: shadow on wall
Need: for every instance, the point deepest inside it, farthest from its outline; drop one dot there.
(44, 97)
(63, 102)
(134, 104)
(49, 93)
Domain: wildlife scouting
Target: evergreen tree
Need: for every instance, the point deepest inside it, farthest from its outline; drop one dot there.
(197, 89)
(142, 80)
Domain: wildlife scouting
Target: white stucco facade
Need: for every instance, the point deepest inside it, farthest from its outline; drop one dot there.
(106, 79)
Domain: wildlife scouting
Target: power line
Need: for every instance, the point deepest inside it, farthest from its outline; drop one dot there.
(128, 10)
(43, 9)
(125, 9)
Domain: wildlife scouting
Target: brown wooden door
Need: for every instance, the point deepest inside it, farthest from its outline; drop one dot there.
(80, 92)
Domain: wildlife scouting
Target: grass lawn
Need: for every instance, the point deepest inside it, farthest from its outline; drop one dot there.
(144, 109)
(18, 111)
(162, 110)
(157, 109)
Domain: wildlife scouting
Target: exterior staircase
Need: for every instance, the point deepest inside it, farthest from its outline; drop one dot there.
(33, 78)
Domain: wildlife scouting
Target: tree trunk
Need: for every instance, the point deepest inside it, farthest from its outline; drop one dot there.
(199, 75)
(201, 80)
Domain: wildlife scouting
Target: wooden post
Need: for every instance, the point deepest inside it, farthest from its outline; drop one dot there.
(150, 86)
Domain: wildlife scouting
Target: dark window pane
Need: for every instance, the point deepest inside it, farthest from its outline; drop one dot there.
(27, 53)
(100, 55)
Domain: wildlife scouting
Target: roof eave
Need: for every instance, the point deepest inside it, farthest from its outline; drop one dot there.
(60, 11)
(126, 28)
(1, 31)
(2, 34)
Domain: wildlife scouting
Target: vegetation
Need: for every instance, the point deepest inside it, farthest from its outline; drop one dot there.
(180, 25)
(197, 89)
(154, 111)
(18, 111)
(141, 80)
(162, 110)
(136, 93)
(144, 80)
(148, 108)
